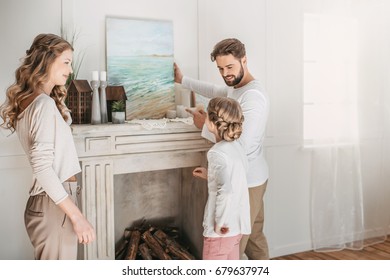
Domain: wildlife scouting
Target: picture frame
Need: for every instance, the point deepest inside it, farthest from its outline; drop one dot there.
(140, 57)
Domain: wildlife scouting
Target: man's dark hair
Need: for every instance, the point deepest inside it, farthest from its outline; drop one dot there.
(228, 46)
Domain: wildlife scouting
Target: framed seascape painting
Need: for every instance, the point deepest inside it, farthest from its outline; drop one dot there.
(140, 58)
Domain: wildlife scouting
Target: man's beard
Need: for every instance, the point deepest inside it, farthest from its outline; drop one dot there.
(236, 80)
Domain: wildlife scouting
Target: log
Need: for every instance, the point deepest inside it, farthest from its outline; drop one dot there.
(133, 245)
(120, 250)
(145, 251)
(172, 246)
(127, 234)
(179, 252)
(122, 244)
(155, 246)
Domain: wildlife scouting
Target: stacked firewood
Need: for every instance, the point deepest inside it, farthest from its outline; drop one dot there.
(151, 244)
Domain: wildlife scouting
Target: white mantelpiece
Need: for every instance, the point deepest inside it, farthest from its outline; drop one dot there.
(107, 150)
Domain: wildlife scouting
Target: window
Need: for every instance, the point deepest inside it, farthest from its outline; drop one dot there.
(330, 79)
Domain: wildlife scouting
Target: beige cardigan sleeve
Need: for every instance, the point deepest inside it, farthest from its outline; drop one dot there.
(43, 133)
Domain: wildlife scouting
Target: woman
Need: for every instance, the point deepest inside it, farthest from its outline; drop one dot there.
(35, 109)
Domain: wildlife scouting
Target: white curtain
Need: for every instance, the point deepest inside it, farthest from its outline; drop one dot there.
(346, 120)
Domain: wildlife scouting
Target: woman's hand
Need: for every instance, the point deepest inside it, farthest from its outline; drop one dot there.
(83, 229)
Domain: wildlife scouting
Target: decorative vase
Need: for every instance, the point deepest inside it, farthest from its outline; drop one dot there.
(96, 117)
(103, 101)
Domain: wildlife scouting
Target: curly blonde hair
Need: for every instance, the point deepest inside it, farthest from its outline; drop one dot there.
(226, 114)
(31, 76)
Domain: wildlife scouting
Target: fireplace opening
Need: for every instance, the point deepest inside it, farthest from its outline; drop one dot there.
(152, 240)
(164, 208)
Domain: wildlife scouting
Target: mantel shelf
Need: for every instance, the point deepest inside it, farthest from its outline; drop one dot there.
(109, 140)
(130, 128)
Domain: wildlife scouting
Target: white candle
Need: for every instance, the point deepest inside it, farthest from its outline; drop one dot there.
(177, 88)
(95, 75)
(180, 111)
(186, 98)
(103, 76)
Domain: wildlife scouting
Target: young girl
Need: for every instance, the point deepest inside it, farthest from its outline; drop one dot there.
(227, 214)
(35, 109)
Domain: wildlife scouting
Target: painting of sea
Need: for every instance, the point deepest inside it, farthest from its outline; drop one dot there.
(140, 58)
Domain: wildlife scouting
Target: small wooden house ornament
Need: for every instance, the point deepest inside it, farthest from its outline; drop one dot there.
(114, 93)
(79, 101)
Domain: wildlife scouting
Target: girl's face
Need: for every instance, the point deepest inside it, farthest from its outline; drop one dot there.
(61, 68)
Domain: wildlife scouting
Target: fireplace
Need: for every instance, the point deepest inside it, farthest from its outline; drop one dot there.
(131, 173)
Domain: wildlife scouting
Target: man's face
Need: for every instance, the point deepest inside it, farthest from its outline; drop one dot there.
(231, 69)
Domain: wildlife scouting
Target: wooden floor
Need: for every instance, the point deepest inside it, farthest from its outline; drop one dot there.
(380, 251)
